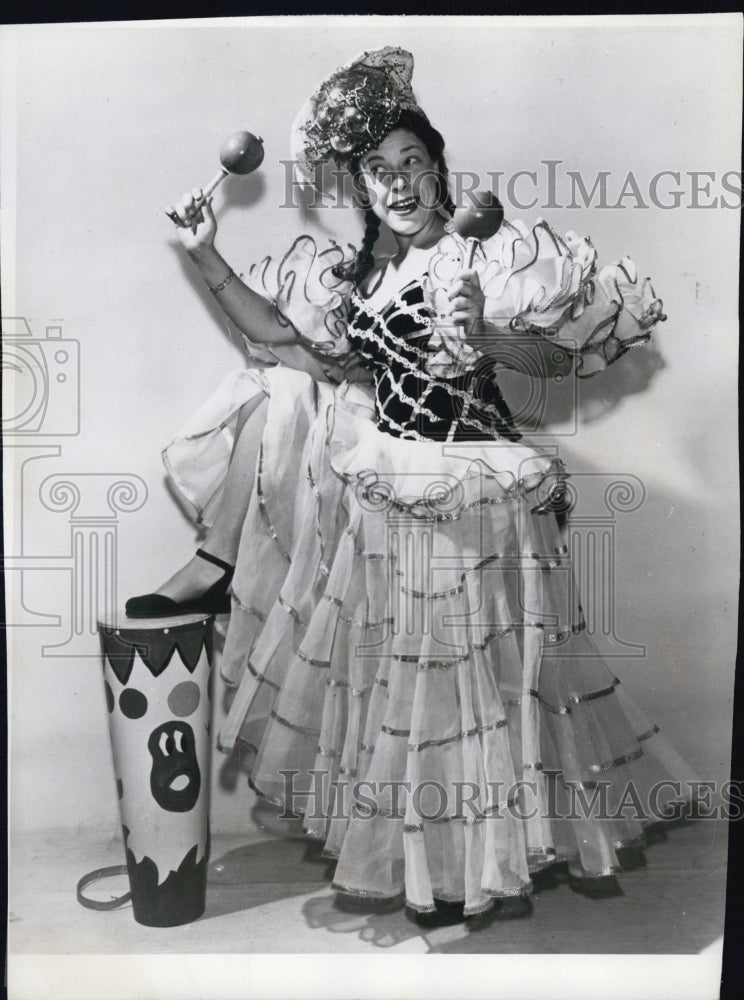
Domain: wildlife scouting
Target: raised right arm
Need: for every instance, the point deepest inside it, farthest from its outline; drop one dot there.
(253, 315)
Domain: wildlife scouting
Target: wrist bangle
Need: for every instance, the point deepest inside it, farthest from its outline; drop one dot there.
(224, 283)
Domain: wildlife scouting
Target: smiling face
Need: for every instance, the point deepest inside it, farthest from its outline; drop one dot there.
(401, 181)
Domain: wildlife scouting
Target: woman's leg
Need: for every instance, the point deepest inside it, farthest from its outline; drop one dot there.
(223, 536)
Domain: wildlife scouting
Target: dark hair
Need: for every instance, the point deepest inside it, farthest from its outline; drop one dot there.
(433, 141)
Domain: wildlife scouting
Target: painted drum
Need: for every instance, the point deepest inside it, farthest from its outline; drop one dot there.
(157, 683)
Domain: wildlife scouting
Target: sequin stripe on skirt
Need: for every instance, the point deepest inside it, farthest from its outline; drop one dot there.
(294, 645)
(436, 861)
(380, 672)
(293, 487)
(439, 709)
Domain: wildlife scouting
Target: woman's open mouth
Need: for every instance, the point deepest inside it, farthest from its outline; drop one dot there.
(404, 207)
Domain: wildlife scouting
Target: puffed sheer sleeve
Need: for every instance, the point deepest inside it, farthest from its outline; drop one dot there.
(540, 282)
(306, 295)
(308, 299)
(536, 281)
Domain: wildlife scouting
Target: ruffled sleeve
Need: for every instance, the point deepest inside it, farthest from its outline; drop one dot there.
(305, 293)
(538, 282)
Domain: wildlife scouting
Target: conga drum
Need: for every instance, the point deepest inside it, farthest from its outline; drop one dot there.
(157, 679)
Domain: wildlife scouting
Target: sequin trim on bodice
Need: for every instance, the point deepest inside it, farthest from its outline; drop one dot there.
(395, 343)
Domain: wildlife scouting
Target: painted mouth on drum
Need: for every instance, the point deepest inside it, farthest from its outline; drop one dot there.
(179, 782)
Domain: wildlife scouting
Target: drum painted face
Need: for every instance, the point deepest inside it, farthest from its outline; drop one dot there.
(175, 778)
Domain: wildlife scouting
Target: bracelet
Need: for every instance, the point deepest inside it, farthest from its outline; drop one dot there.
(224, 283)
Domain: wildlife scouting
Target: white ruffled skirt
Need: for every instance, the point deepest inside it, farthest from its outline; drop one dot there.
(411, 670)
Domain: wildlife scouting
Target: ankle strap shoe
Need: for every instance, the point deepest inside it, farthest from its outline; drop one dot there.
(214, 601)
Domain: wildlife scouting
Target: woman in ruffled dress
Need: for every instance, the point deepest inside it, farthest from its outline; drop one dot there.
(411, 668)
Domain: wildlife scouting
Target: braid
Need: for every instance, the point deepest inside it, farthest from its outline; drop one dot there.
(444, 195)
(364, 261)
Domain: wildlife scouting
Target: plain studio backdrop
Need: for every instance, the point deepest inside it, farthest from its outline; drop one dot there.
(104, 125)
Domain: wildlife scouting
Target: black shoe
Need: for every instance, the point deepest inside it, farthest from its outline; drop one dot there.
(631, 858)
(550, 877)
(445, 915)
(214, 601)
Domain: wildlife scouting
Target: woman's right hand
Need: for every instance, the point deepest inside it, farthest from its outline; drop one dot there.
(198, 226)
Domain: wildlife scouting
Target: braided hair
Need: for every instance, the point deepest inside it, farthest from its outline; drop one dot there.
(358, 269)
(364, 261)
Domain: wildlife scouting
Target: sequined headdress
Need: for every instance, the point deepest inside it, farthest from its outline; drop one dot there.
(353, 110)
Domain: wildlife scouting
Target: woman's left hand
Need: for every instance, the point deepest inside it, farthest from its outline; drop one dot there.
(466, 298)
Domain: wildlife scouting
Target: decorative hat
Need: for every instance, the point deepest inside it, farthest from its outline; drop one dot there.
(352, 110)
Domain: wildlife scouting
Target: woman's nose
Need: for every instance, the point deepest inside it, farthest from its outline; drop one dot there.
(399, 180)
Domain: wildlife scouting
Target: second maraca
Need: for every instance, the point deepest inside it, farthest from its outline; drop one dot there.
(478, 221)
(242, 153)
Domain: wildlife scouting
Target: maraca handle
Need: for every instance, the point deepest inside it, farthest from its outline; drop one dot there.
(216, 180)
(206, 192)
(471, 247)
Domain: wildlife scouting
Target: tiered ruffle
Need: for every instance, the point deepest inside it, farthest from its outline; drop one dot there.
(402, 619)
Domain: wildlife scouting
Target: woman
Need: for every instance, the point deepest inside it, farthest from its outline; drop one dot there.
(411, 667)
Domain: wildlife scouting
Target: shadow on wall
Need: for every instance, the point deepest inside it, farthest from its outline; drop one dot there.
(544, 404)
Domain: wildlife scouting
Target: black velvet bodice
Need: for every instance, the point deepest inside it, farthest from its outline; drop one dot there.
(396, 345)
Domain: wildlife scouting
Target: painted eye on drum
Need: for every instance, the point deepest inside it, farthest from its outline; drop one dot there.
(171, 742)
(133, 703)
(184, 699)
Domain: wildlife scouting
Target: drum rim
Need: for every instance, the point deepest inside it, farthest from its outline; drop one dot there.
(118, 620)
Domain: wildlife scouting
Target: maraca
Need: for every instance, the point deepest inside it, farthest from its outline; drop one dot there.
(478, 221)
(241, 154)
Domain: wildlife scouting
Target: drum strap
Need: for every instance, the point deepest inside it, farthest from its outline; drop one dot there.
(101, 904)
